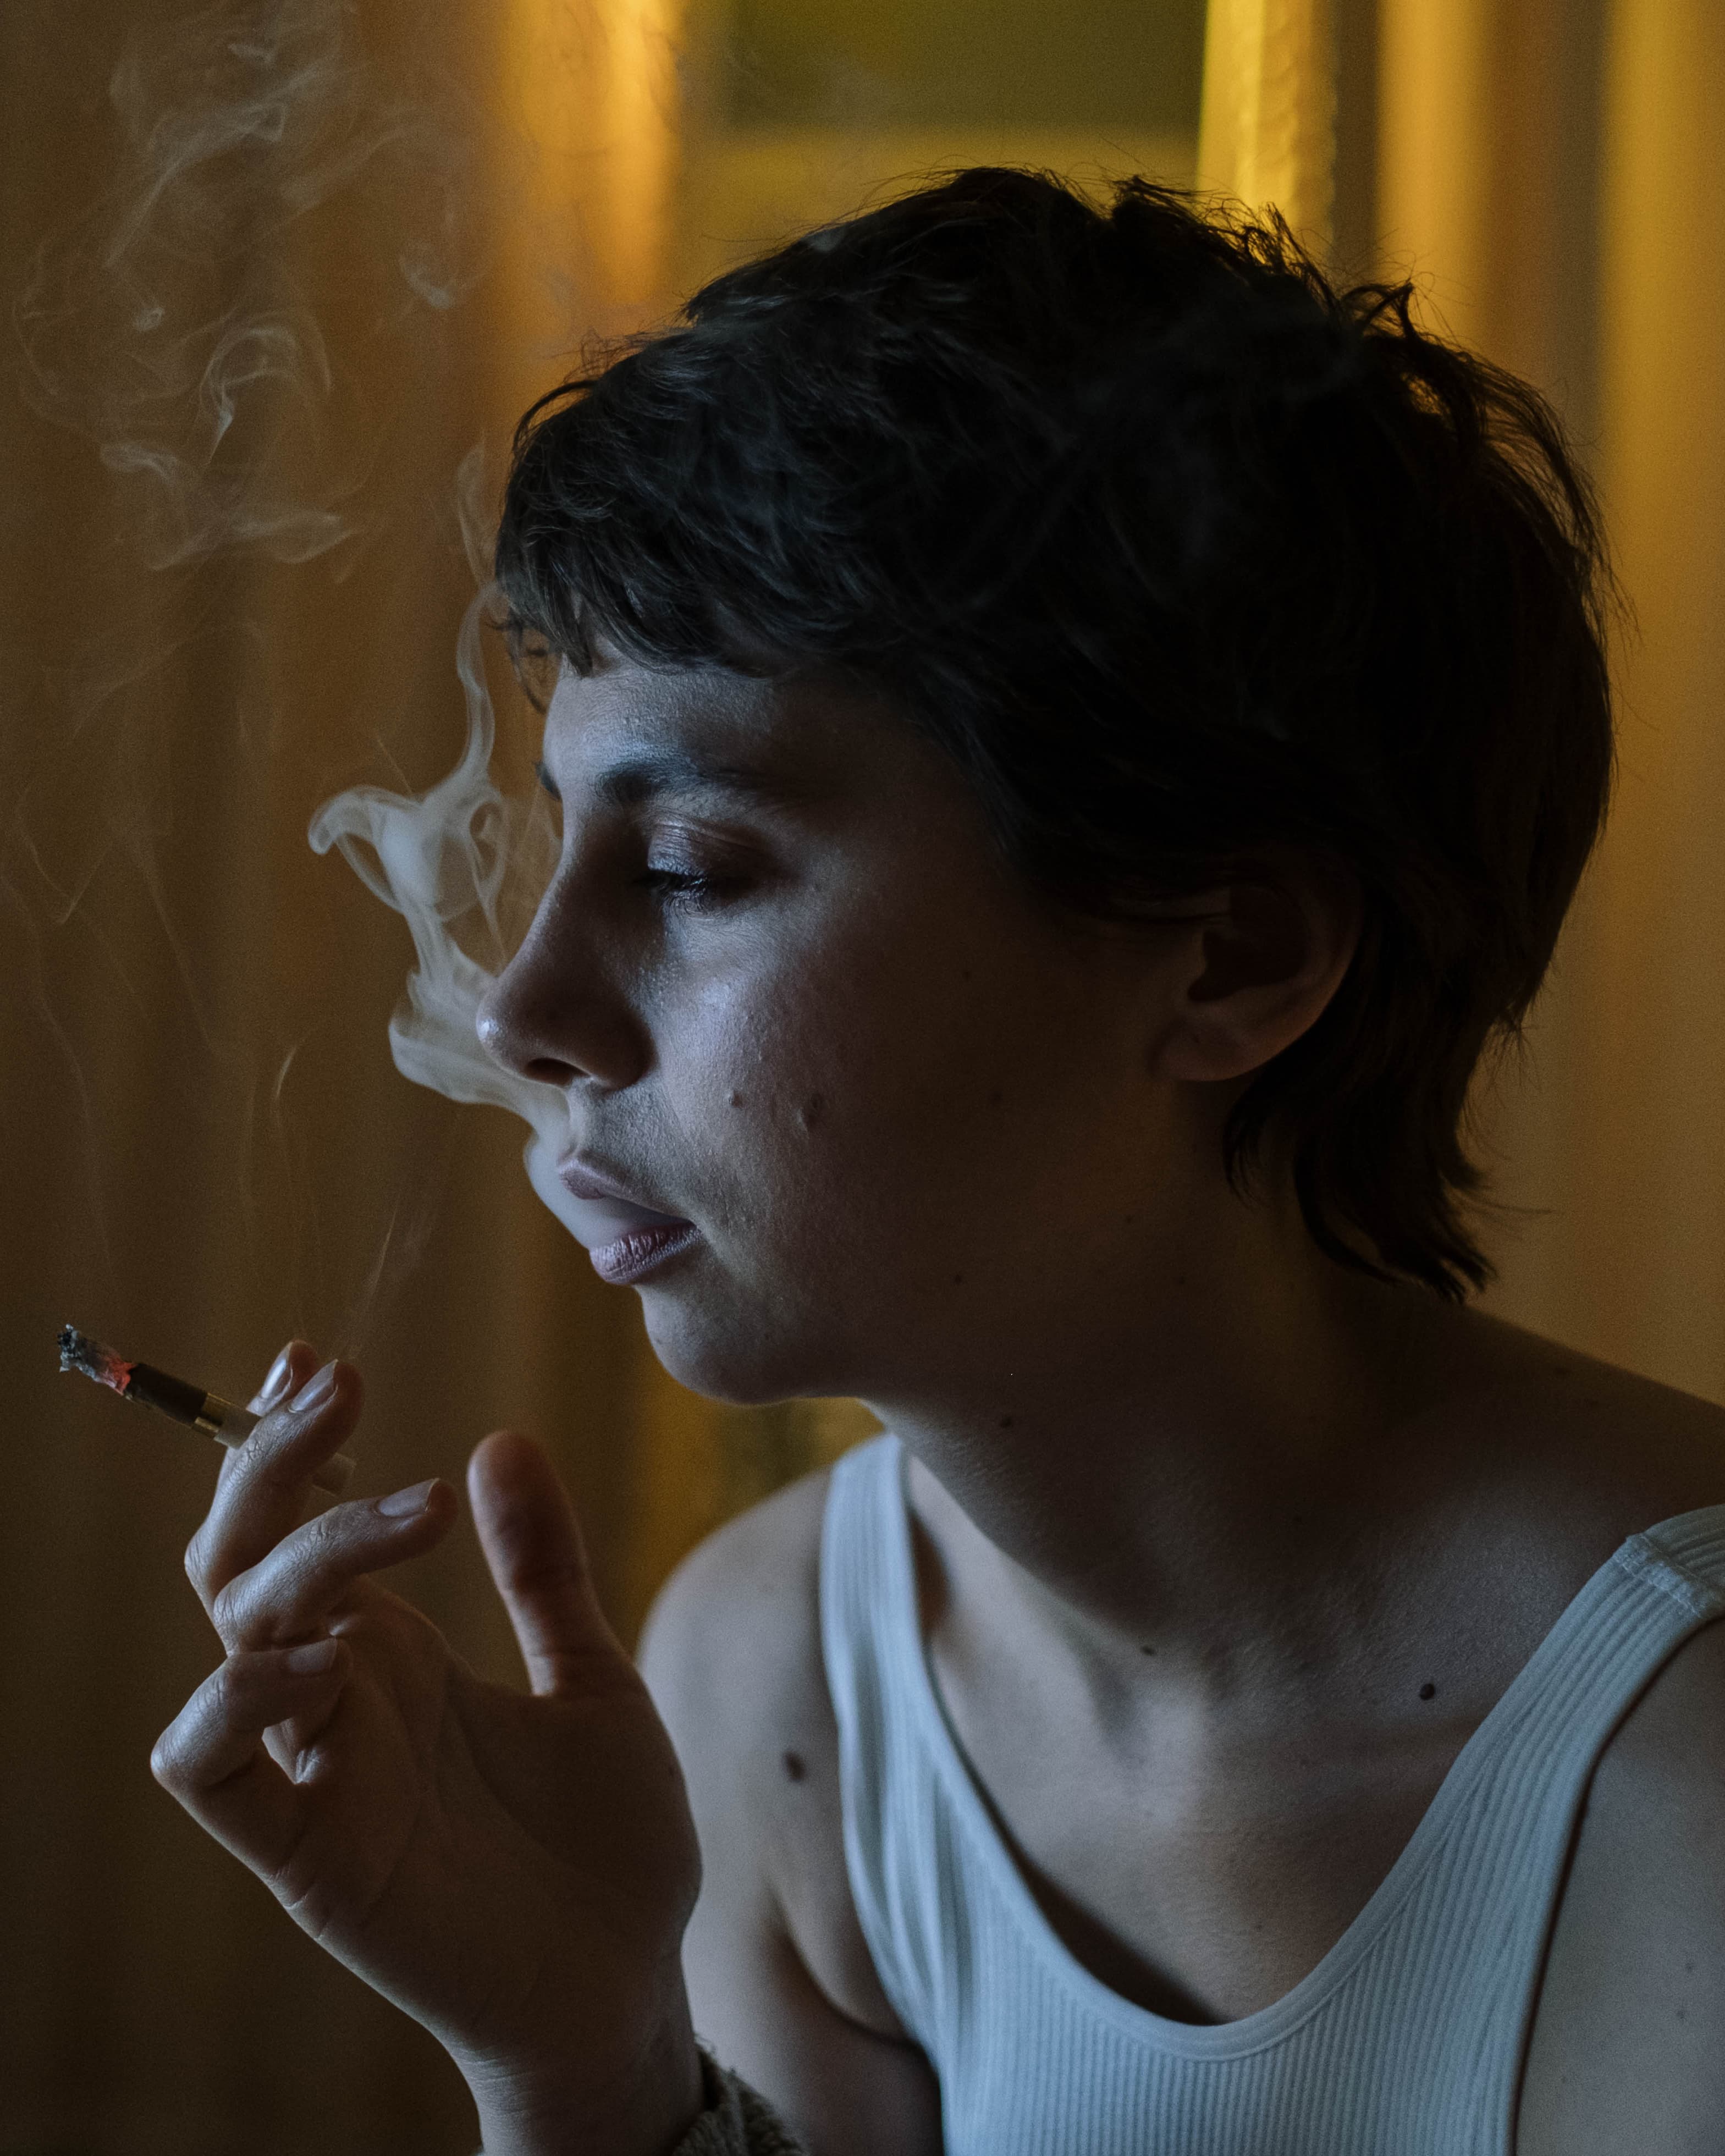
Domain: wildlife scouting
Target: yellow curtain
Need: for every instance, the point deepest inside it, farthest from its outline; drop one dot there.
(281, 273)
(246, 371)
(1546, 170)
(1267, 133)
(274, 272)
(1549, 169)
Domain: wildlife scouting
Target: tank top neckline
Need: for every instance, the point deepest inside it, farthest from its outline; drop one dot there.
(1646, 1559)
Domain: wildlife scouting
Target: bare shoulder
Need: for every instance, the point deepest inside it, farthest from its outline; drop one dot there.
(731, 1646)
(1628, 2048)
(780, 1979)
(1611, 1451)
(1677, 1430)
(732, 1652)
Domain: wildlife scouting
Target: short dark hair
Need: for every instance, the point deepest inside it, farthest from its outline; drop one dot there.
(1187, 557)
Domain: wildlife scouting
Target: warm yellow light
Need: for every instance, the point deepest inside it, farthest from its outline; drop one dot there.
(591, 88)
(1267, 135)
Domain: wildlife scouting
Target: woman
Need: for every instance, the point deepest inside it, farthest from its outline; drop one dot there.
(1074, 739)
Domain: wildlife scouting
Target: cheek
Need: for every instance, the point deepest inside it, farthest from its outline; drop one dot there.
(834, 1102)
(883, 1138)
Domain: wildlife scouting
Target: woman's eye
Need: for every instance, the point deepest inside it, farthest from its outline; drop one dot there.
(684, 883)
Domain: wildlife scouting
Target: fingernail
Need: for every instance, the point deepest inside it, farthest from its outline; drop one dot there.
(399, 1503)
(315, 1391)
(281, 1371)
(307, 1660)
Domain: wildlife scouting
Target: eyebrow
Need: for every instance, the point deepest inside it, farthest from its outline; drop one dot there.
(649, 775)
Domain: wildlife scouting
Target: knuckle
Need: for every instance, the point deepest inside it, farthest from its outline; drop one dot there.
(275, 1461)
(230, 1699)
(322, 1536)
(227, 1607)
(166, 1761)
(331, 1539)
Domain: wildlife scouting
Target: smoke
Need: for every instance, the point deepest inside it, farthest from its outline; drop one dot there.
(443, 859)
(239, 325)
(172, 321)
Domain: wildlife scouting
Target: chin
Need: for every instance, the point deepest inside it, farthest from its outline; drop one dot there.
(747, 1361)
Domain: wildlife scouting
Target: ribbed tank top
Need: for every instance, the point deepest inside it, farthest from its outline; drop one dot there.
(1406, 2040)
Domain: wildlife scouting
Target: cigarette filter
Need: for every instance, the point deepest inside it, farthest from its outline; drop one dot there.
(146, 1386)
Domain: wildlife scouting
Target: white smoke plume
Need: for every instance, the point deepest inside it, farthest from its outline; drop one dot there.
(441, 859)
(176, 321)
(168, 321)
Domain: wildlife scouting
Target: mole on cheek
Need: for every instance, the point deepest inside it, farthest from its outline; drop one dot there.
(811, 1111)
(794, 1768)
(734, 1100)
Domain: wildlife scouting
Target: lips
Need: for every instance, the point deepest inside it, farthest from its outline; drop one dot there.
(623, 1238)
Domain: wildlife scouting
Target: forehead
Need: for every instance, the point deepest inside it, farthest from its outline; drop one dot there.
(619, 706)
(626, 732)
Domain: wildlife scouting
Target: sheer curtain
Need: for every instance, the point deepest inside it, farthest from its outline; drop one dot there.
(274, 271)
(1551, 167)
(1546, 171)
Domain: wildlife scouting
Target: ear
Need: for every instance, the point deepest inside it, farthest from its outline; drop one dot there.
(1263, 965)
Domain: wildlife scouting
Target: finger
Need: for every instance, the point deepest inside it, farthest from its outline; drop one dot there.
(291, 1592)
(533, 1542)
(261, 1495)
(210, 1757)
(286, 1374)
(290, 1370)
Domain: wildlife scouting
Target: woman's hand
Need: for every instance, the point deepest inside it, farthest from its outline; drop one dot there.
(514, 1871)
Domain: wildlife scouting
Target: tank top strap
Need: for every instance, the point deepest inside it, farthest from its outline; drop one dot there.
(1408, 2034)
(1548, 1731)
(1689, 1553)
(890, 1823)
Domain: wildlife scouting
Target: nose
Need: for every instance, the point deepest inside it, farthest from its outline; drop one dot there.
(549, 1016)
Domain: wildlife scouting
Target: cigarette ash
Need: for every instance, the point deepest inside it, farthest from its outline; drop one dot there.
(90, 1360)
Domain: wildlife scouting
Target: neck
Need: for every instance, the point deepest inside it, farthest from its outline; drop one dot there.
(1200, 1464)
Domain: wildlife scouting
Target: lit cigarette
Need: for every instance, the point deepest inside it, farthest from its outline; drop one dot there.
(150, 1388)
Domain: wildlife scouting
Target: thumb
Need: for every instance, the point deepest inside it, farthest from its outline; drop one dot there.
(531, 1541)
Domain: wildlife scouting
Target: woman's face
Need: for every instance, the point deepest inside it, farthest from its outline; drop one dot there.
(796, 1000)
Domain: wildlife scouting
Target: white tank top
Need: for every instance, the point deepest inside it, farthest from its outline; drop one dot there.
(1406, 2040)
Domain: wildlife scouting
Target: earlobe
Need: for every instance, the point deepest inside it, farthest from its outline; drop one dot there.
(1263, 973)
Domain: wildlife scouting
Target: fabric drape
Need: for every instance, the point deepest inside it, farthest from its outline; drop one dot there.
(1543, 170)
(1548, 167)
(275, 273)
(243, 371)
